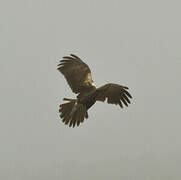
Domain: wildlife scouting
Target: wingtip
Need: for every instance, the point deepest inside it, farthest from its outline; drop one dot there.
(125, 87)
(75, 56)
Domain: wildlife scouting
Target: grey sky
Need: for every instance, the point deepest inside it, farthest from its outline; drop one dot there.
(134, 43)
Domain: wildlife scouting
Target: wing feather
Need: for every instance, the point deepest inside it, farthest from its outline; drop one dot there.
(114, 93)
(76, 72)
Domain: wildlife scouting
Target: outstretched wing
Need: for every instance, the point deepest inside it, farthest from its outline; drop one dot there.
(77, 73)
(115, 94)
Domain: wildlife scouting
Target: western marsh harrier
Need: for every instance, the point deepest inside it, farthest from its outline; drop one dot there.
(78, 76)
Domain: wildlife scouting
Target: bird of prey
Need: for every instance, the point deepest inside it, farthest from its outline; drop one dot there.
(78, 76)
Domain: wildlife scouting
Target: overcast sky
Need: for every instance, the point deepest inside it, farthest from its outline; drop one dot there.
(136, 43)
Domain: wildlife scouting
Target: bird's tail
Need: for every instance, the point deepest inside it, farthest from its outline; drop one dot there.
(72, 113)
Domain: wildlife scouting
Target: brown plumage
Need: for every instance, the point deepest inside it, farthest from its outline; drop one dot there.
(78, 76)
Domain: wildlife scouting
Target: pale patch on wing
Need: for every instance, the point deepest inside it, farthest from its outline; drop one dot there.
(93, 84)
(89, 80)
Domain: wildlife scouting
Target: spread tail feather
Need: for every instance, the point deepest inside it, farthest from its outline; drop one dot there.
(73, 113)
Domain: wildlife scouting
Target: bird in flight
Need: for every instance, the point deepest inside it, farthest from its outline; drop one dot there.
(78, 76)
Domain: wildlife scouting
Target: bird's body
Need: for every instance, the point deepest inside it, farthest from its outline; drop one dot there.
(78, 76)
(88, 99)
